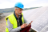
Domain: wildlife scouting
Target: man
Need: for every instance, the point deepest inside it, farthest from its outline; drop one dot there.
(15, 22)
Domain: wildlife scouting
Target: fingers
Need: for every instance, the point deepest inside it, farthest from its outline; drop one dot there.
(24, 25)
(31, 21)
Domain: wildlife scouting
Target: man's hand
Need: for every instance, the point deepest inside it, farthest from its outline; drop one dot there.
(24, 25)
(29, 23)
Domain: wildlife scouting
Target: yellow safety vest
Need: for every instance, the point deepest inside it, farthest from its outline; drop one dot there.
(13, 21)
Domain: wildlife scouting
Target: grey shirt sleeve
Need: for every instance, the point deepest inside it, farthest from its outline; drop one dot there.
(25, 21)
(10, 27)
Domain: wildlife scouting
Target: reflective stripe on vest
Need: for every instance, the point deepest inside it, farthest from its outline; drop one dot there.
(13, 21)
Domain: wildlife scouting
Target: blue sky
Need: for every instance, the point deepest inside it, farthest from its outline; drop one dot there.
(27, 3)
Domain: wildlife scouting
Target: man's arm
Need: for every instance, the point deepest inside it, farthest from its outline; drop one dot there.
(25, 21)
(10, 27)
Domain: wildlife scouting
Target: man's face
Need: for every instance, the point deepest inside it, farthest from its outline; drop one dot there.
(18, 11)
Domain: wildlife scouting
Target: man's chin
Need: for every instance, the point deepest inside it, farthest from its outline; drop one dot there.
(19, 14)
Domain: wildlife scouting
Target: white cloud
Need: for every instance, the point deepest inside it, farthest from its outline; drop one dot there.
(27, 3)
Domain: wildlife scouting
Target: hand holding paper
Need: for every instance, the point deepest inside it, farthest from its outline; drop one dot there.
(29, 23)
